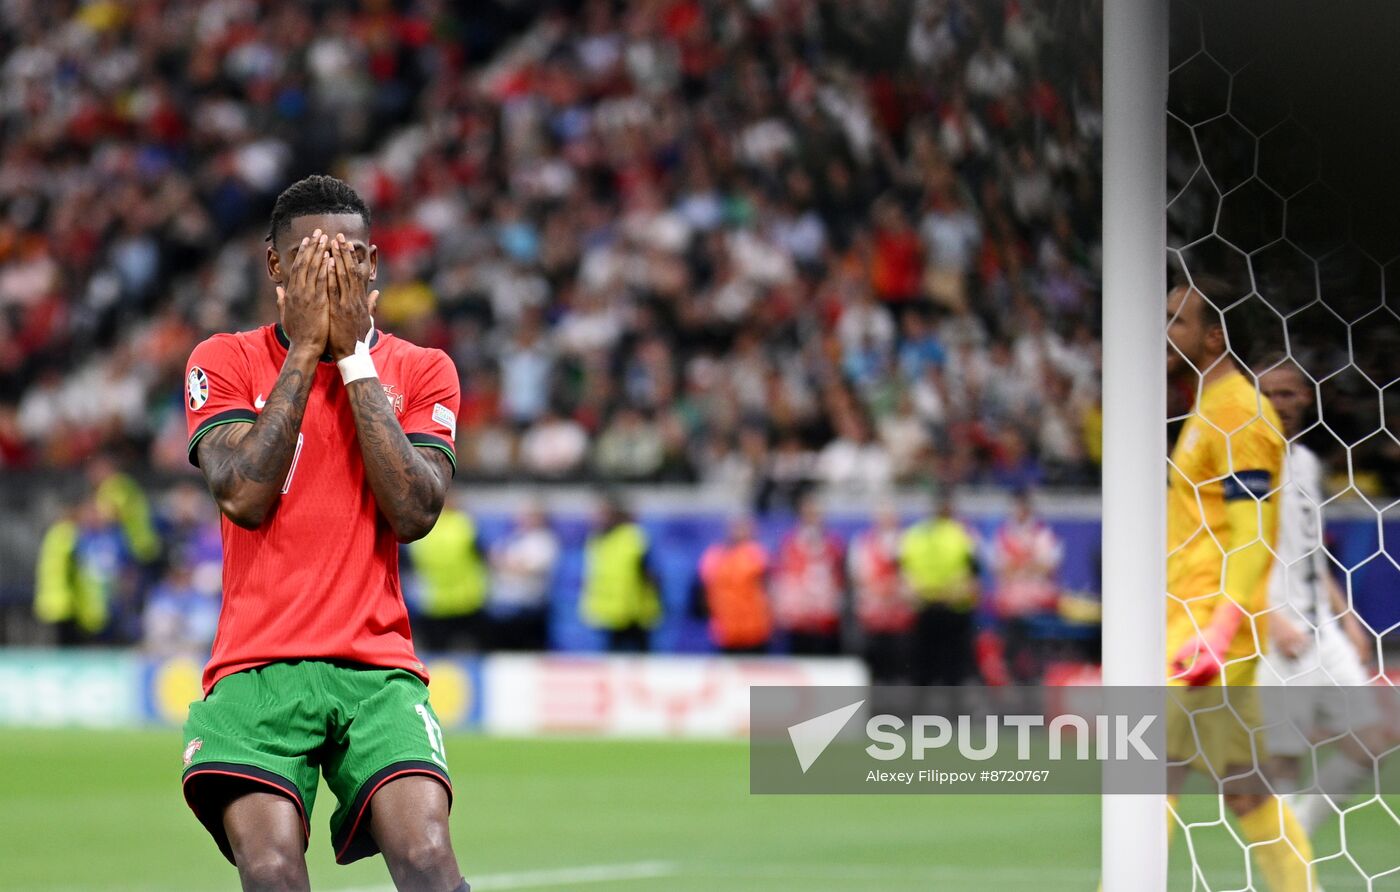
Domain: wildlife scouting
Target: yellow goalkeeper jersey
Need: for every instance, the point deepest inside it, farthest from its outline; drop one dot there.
(1229, 449)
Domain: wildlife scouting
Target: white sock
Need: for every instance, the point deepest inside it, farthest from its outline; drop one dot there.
(1310, 809)
(1339, 776)
(1284, 786)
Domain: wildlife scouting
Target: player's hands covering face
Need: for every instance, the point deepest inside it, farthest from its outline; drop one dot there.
(350, 306)
(302, 298)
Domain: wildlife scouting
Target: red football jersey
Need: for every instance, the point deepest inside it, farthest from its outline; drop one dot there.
(320, 578)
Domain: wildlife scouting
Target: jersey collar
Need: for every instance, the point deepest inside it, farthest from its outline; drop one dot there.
(286, 342)
(1221, 383)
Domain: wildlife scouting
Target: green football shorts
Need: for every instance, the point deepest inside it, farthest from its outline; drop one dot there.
(278, 726)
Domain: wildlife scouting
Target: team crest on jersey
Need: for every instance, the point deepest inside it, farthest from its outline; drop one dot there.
(198, 387)
(391, 391)
(191, 748)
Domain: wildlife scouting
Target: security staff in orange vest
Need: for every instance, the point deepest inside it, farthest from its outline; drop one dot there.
(734, 574)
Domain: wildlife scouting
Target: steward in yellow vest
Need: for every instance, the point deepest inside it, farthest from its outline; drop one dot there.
(938, 558)
(121, 497)
(452, 576)
(68, 594)
(620, 596)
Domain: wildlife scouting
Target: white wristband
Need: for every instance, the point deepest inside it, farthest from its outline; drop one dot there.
(359, 364)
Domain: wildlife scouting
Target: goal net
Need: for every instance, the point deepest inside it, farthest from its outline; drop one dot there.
(1282, 224)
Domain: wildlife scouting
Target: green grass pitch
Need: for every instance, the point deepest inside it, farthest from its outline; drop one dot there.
(96, 810)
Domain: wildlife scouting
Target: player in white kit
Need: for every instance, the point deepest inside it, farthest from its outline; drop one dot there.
(1317, 642)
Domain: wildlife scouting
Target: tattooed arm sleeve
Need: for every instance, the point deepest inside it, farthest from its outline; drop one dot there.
(409, 484)
(244, 454)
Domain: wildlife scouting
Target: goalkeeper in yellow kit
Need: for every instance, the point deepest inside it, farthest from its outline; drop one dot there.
(1225, 472)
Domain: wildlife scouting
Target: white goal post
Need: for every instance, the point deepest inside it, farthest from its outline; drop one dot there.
(1134, 830)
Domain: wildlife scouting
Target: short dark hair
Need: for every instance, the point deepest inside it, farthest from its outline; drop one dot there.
(316, 194)
(1277, 359)
(1219, 292)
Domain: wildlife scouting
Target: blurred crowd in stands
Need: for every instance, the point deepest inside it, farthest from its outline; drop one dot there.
(754, 242)
(925, 601)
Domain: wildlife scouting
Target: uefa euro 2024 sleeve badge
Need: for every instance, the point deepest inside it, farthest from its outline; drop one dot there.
(198, 386)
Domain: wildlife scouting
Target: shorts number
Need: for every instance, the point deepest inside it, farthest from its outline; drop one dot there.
(434, 731)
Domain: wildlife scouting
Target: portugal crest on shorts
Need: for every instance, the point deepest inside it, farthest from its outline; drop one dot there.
(191, 748)
(197, 386)
(391, 392)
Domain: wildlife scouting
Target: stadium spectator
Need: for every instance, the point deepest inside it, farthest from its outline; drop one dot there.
(1062, 441)
(1013, 464)
(864, 327)
(631, 447)
(181, 610)
(906, 439)
(180, 616)
(522, 572)
(555, 446)
(450, 575)
(897, 266)
(76, 574)
(990, 72)
(734, 578)
(882, 604)
(785, 475)
(855, 461)
(809, 583)
(621, 595)
(1024, 558)
(526, 366)
(952, 236)
(938, 558)
(920, 347)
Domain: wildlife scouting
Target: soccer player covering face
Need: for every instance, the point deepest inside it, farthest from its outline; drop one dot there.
(326, 443)
(1221, 508)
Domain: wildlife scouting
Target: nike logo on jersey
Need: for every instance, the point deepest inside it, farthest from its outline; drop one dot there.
(259, 402)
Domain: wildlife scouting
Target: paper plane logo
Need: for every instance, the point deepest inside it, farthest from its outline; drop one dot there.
(811, 738)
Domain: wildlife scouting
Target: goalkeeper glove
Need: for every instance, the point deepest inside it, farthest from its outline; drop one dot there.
(1202, 657)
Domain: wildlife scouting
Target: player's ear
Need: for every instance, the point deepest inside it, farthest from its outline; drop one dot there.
(372, 263)
(274, 265)
(1215, 335)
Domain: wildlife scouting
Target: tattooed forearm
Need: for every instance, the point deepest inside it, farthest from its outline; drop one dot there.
(245, 465)
(262, 456)
(409, 483)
